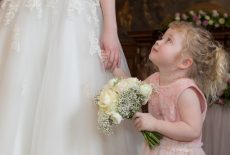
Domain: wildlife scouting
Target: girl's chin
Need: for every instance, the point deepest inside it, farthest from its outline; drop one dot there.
(153, 61)
(152, 58)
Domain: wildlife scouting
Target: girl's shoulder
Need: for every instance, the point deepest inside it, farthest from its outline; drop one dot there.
(185, 84)
(153, 78)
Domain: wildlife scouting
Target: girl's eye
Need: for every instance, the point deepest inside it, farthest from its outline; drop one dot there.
(160, 37)
(169, 40)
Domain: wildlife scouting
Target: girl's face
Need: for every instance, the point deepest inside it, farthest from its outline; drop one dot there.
(167, 51)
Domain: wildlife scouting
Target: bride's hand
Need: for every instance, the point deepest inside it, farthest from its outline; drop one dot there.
(111, 44)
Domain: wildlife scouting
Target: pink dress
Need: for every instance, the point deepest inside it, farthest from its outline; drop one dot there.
(163, 105)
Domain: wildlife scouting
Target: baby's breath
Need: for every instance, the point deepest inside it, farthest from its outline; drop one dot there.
(130, 102)
(105, 123)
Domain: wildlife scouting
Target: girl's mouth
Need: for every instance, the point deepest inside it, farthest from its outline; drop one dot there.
(154, 50)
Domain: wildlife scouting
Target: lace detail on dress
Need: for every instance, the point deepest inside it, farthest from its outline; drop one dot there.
(74, 7)
(94, 44)
(90, 9)
(11, 11)
(52, 3)
(35, 5)
(16, 40)
(95, 34)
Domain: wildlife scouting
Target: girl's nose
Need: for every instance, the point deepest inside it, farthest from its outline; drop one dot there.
(157, 43)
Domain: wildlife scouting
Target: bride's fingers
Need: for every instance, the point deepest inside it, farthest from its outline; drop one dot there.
(116, 59)
(119, 60)
(111, 59)
(104, 55)
(104, 52)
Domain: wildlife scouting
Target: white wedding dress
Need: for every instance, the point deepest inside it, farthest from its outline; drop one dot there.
(50, 71)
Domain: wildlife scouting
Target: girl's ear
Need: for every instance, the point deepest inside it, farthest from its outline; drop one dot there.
(185, 63)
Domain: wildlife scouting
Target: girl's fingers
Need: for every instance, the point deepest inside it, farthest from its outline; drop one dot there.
(136, 115)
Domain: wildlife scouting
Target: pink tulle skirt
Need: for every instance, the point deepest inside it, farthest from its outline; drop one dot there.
(171, 147)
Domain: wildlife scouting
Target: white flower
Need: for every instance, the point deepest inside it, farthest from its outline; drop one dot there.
(177, 16)
(184, 16)
(215, 13)
(202, 12)
(191, 12)
(210, 22)
(126, 84)
(133, 80)
(113, 81)
(225, 15)
(207, 17)
(116, 117)
(107, 100)
(221, 20)
(146, 90)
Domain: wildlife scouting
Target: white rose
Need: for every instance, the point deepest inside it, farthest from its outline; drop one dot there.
(202, 12)
(221, 21)
(207, 17)
(121, 86)
(132, 80)
(177, 18)
(126, 84)
(107, 98)
(112, 82)
(215, 13)
(210, 22)
(184, 16)
(146, 89)
(116, 117)
(191, 12)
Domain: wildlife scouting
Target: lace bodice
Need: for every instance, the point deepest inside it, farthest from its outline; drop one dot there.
(11, 7)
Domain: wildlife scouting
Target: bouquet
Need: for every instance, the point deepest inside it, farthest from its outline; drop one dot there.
(120, 99)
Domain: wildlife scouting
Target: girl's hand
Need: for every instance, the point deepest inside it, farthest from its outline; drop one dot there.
(144, 122)
(118, 72)
(110, 44)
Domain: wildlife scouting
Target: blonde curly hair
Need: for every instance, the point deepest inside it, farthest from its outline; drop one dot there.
(210, 61)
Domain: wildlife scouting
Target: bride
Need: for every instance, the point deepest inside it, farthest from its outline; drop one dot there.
(50, 71)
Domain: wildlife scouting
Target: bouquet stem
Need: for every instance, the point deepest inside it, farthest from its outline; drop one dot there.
(152, 138)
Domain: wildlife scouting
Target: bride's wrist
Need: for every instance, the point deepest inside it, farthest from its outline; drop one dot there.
(110, 28)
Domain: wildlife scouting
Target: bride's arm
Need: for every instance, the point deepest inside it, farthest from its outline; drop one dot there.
(109, 39)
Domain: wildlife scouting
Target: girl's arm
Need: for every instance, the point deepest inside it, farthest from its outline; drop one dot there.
(109, 39)
(188, 129)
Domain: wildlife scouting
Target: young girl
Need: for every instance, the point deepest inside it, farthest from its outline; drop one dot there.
(191, 67)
